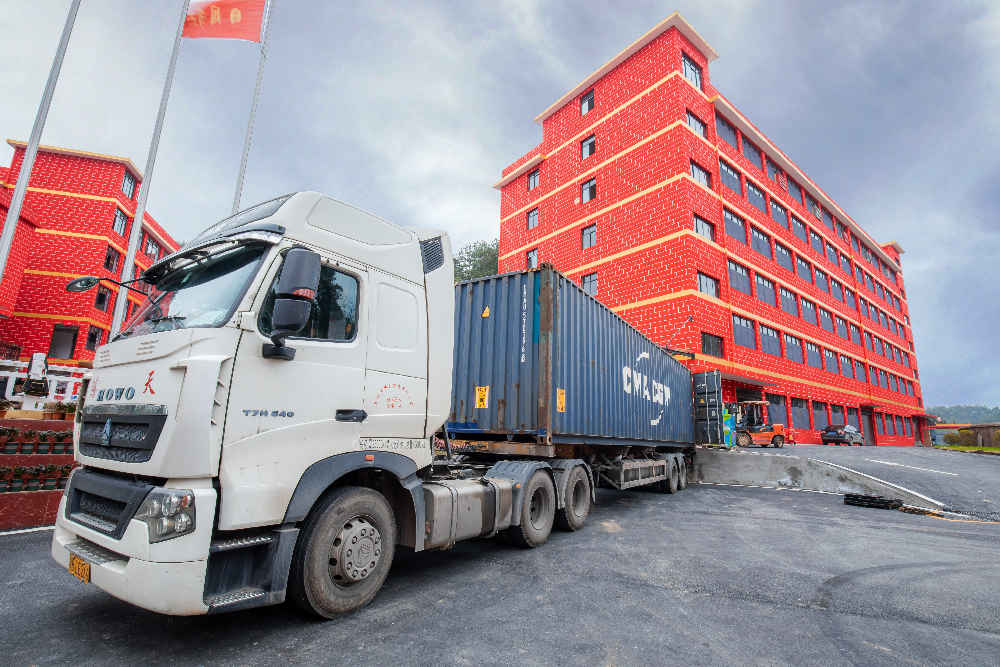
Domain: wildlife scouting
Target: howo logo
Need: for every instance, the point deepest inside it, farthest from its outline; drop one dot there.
(639, 384)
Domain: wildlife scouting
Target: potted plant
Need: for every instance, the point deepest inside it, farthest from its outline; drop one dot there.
(9, 443)
(50, 480)
(33, 483)
(5, 473)
(6, 405)
(44, 442)
(51, 410)
(68, 409)
(28, 438)
(63, 442)
(17, 480)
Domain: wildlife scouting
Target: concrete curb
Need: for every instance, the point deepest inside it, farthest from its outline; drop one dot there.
(796, 472)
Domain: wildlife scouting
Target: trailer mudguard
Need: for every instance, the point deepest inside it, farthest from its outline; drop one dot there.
(321, 475)
(560, 470)
(519, 472)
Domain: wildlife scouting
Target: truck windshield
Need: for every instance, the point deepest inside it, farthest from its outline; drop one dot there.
(203, 293)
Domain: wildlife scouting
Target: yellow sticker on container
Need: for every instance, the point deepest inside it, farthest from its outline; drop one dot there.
(486, 311)
(483, 398)
(560, 400)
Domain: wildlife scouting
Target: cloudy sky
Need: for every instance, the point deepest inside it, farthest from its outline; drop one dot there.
(411, 110)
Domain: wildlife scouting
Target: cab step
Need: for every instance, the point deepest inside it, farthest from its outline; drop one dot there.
(243, 596)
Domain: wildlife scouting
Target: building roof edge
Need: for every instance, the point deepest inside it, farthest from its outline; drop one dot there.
(73, 152)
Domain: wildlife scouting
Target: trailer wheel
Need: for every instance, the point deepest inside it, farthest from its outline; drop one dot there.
(574, 514)
(538, 512)
(778, 441)
(672, 482)
(344, 552)
(744, 440)
(682, 476)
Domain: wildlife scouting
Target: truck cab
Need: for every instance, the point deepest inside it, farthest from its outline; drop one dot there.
(207, 431)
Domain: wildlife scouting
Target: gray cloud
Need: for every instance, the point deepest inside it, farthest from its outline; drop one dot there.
(411, 110)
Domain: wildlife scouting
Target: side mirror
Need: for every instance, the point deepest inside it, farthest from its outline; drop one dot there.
(294, 297)
(82, 284)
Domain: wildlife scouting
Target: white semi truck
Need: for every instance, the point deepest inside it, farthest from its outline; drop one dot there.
(264, 427)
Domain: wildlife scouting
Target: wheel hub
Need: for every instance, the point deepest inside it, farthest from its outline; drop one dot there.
(357, 550)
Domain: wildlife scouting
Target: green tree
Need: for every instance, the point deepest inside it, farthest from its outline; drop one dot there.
(477, 259)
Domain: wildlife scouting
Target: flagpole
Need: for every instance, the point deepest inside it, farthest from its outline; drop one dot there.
(253, 108)
(135, 234)
(21, 188)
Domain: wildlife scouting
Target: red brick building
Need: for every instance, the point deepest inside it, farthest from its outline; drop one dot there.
(76, 221)
(669, 205)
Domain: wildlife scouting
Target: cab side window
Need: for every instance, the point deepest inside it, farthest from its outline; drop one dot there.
(334, 315)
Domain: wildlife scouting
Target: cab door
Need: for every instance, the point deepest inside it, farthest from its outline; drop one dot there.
(284, 415)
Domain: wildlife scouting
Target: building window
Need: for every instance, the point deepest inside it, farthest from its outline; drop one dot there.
(879, 424)
(773, 171)
(842, 328)
(890, 427)
(828, 221)
(813, 356)
(725, 130)
(587, 103)
(739, 277)
(809, 311)
(760, 242)
(120, 224)
(704, 227)
(784, 257)
(812, 205)
(830, 359)
(533, 179)
(789, 303)
(590, 284)
(588, 190)
(883, 379)
(804, 269)
(743, 334)
(821, 281)
(845, 264)
(532, 218)
(859, 274)
(826, 319)
(589, 236)
(855, 334)
(820, 421)
(776, 413)
(708, 285)
(765, 290)
(846, 367)
(864, 308)
(692, 72)
(111, 257)
(899, 425)
(849, 298)
(868, 341)
(152, 248)
(752, 153)
(817, 242)
(94, 337)
(128, 185)
(836, 414)
(793, 349)
(779, 214)
(531, 259)
(587, 147)
(799, 228)
(800, 413)
(735, 227)
(836, 289)
(859, 371)
(711, 344)
(756, 197)
(831, 254)
(769, 341)
(700, 175)
(730, 177)
(695, 124)
(103, 299)
(63, 342)
(794, 190)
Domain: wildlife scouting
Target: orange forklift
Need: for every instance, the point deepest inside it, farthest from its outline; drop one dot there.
(751, 427)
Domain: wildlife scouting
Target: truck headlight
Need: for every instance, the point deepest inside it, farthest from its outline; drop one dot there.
(168, 513)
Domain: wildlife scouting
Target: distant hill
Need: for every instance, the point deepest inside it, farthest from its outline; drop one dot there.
(966, 414)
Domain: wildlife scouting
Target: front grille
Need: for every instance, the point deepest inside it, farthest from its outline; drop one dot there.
(117, 434)
(103, 502)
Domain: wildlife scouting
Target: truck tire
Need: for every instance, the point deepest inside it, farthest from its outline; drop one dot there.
(327, 578)
(743, 440)
(672, 482)
(574, 513)
(778, 441)
(538, 512)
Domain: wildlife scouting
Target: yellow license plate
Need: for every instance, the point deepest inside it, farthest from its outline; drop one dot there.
(79, 568)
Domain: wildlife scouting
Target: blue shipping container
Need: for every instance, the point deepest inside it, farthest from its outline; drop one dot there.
(539, 360)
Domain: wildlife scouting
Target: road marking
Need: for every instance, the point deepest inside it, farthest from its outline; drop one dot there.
(26, 530)
(900, 465)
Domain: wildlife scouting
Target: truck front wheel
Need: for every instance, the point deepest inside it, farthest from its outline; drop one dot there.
(574, 513)
(344, 552)
(538, 512)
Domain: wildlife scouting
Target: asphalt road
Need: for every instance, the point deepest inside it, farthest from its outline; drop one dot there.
(714, 575)
(958, 479)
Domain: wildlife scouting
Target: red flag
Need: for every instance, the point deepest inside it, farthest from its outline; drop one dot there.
(225, 19)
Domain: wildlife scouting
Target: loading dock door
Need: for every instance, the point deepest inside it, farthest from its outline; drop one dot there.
(868, 426)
